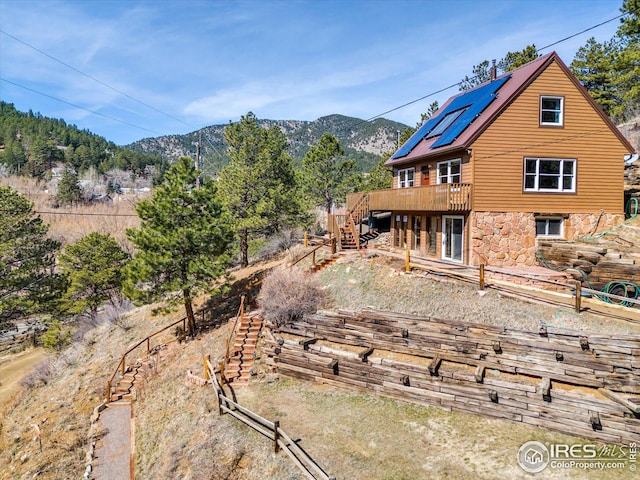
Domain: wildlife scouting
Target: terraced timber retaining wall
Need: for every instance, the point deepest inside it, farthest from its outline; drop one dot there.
(571, 382)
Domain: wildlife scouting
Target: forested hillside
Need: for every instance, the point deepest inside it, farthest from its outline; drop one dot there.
(31, 144)
(362, 141)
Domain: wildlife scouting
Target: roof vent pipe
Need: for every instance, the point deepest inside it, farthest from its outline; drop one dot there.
(494, 70)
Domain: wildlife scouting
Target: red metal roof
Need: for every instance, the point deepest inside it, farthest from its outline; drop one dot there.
(521, 77)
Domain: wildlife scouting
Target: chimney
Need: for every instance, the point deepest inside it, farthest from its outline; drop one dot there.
(494, 70)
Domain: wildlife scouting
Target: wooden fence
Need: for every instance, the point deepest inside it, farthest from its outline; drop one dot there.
(271, 430)
(576, 383)
(572, 293)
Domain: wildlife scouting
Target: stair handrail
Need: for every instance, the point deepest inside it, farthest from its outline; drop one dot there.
(232, 336)
(122, 364)
(330, 242)
(355, 231)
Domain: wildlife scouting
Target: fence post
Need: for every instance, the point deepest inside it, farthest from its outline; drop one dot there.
(333, 245)
(276, 435)
(207, 376)
(108, 396)
(148, 346)
(482, 276)
(407, 260)
(306, 239)
(578, 295)
(314, 258)
(123, 362)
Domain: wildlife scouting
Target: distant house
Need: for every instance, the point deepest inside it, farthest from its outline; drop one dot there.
(58, 172)
(527, 155)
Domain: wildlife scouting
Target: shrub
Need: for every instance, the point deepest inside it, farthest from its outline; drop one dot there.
(39, 375)
(287, 295)
(56, 338)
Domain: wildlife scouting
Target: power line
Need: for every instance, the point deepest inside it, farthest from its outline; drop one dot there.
(80, 107)
(585, 30)
(477, 76)
(98, 80)
(88, 214)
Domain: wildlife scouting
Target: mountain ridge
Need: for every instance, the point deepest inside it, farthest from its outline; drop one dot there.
(361, 140)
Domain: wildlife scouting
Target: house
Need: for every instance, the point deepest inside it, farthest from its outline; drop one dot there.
(527, 155)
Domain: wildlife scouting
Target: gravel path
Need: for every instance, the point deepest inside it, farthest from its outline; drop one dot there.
(113, 451)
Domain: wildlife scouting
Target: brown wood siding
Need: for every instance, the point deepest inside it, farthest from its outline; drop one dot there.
(500, 151)
(467, 174)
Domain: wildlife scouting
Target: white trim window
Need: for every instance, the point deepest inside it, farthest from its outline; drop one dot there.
(552, 111)
(550, 175)
(549, 227)
(406, 177)
(450, 171)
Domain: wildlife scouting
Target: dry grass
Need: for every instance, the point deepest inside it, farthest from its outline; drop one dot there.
(351, 435)
(359, 436)
(354, 283)
(70, 224)
(62, 407)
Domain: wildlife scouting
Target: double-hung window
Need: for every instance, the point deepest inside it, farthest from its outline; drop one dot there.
(549, 175)
(406, 177)
(450, 171)
(552, 111)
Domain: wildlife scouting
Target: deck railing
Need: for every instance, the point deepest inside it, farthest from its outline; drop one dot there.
(447, 197)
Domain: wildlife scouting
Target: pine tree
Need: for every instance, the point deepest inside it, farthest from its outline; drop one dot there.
(258, 186)
(93, 266)
(182, 243)
(327, 173)
(69, 190)
(28, 282)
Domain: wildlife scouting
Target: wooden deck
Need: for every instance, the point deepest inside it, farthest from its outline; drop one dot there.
(449, 197)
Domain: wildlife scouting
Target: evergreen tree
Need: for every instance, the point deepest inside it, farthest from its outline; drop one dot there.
(593, 66)
(28, 282)
(69, 190)
(481, 73)
(93, 266)
(327, 174)
(258, 186)
(182, 243)
(380, 177)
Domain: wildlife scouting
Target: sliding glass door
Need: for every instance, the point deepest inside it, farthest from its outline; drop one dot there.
(452, 238)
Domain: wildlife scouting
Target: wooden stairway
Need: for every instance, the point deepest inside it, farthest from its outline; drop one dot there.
(238, 370)
(122, 392)
(324, 263)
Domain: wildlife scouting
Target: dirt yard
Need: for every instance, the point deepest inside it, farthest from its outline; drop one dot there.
(13, 368)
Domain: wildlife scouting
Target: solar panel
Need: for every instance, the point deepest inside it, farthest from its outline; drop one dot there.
(473, 102)
(415, 138)
(481, 99)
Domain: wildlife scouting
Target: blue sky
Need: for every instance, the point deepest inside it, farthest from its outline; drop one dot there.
(209, 62)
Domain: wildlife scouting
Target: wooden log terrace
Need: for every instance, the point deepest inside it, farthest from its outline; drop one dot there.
(447, 197)
(571, 382)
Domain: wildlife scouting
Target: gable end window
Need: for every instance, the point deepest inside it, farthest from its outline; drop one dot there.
(549, 227)
(449, 171)
(406, 177)
(549, 175)
(552, 111)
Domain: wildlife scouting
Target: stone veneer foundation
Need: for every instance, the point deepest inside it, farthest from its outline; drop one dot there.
(509, 238)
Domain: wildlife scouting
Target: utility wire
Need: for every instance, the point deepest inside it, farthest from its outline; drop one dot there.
(80, 107)
(97, 80)
(87, 214)
(477, 76)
